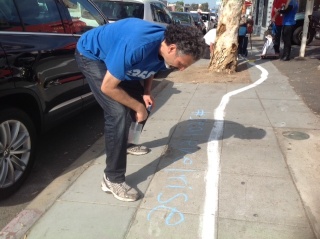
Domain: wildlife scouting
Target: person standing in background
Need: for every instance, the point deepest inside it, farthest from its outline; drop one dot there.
(288, 23)
(277, 20)
(250, 24)
(242, 37)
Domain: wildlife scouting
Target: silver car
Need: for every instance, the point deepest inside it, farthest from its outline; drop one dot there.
(184, 18)
(149, 10)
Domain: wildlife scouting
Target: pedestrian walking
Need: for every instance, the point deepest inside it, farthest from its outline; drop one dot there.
(114, 58)
(288, 23)
(277, 19)
(242, 37)
(250, 24)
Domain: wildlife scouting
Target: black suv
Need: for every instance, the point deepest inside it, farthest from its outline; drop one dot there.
(298, 30)
(40, 83)
(199, 22)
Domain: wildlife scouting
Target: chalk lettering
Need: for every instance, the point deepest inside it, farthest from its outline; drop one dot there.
(169, 218)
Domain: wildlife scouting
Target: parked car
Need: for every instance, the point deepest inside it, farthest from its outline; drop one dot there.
(206, 19)
(40, 83)
(184, 18)
(298, 30)
(315, 23)
(199, 22)
(149, 10)
(214, 18)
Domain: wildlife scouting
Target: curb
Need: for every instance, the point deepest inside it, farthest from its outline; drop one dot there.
(19, 226)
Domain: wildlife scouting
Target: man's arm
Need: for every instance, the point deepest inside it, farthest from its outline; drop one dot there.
(147, 85)
(274, 12)
(211, 48)
(287, 8)
(147, 97)
(110, 87)
(287, 4)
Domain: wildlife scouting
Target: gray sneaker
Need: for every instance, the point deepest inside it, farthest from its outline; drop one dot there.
(138, 150)
(121, 191)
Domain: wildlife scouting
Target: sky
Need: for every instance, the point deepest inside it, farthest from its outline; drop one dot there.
(211, 2)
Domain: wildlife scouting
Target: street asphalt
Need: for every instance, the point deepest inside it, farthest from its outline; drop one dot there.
(227, 161)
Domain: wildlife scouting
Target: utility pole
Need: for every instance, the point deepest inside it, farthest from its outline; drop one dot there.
(309, 10)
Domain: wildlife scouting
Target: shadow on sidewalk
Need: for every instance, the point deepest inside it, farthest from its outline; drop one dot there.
(188, 137)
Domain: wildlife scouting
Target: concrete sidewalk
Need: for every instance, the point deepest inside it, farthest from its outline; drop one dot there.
(228, 161)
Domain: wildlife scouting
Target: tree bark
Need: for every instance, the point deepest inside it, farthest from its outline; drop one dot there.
(225, 54)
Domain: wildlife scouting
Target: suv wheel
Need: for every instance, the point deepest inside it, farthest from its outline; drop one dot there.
(297, 36)
(17, 149)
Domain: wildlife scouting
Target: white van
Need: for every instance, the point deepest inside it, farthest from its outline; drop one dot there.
(149, 10)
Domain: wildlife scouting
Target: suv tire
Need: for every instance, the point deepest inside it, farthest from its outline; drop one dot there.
(17, 149)
(297, 36)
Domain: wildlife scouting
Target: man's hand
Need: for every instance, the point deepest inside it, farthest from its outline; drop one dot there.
(141, 113)
(110, 87)
(147, 97)
(148, 100)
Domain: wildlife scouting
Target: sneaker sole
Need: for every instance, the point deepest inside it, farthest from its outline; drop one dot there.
(138, 153)
(107, 190)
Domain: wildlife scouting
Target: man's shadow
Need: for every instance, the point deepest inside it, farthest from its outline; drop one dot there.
(188, 137)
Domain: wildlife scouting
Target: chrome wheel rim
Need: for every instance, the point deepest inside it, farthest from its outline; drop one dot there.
(15, 148)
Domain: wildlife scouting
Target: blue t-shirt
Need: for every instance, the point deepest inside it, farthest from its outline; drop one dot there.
(288, 18)
(128, 47)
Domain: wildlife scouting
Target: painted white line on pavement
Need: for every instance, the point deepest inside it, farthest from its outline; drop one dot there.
(208, 223)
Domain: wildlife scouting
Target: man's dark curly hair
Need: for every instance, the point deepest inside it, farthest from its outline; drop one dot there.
(189, 40)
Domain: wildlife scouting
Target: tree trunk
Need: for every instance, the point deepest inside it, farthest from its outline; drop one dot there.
(225, 54)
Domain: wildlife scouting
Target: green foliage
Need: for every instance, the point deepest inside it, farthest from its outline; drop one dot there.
(179, 8)
(179, 3)
(193, 6)
(205, 7)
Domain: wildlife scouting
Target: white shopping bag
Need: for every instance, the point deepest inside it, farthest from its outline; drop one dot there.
(268, 46)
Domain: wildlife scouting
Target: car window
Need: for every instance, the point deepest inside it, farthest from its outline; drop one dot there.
(84, 16)
(116, 10)
(160, 13)
(205, 17)
(196, 17)
(184, 18)
(30, 16)
(9, 20)
(35, 16)
(44, 16)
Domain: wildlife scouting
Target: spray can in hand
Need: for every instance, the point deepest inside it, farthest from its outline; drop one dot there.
(135, 130)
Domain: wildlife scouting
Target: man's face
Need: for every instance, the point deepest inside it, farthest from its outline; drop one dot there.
(173, 60)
